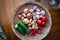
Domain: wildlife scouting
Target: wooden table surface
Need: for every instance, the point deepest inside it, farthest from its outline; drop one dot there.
(8, 6)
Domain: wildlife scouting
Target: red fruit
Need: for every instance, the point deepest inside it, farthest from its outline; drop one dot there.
(33, 32)
(40, 28)
(39, 32)
(44, 18)
(39, 22)
(43, 24)
(19, 13)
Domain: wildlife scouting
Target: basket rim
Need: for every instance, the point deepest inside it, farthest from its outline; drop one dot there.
(31, 3)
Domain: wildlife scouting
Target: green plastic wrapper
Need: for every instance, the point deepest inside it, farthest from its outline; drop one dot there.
(18, 28)
(24, 27)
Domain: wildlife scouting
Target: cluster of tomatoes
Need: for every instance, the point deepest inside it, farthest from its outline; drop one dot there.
(41, 24)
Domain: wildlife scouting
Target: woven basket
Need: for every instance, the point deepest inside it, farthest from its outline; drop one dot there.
(45, 31)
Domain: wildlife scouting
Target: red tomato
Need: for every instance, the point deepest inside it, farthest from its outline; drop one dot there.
(44, 18)
(43, 24)
(39, 22)
(41, 27)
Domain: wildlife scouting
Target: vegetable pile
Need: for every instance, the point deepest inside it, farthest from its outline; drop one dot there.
(32, 21)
